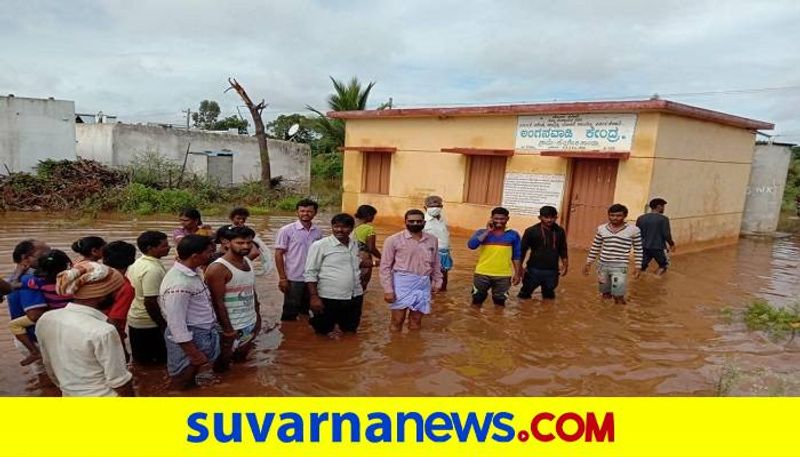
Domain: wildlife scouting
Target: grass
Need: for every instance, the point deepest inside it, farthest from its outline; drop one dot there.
(777, 323)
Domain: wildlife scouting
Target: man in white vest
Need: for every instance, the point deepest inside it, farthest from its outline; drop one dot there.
(231, 281)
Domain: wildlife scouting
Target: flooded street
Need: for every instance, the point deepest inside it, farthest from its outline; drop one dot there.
(671, 339)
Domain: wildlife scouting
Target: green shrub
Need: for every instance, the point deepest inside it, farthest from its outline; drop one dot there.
(775, 322)
(140, 199)
(326, 165)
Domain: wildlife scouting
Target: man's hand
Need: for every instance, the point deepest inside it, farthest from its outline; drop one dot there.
(671, 249)
(637, 273)
(564, 268)
(436, 289)
(586, 268)
(257, 328)
(283, 285)
(516, 279)
(389, 297)
(197, 358)
(316, 304)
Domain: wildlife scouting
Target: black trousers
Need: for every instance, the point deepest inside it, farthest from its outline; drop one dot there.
(344, 313)
(295, 301)
(147, 345)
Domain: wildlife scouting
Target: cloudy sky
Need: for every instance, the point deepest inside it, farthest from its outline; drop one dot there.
(147, 60)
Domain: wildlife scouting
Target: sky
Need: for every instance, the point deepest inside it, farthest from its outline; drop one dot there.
(147, 60)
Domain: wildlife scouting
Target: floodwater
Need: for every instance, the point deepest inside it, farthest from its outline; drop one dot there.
(673, 338)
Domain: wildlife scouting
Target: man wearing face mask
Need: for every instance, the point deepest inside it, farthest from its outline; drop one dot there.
(499, 261)
(436, 225)
(81, 351)
(410, 269)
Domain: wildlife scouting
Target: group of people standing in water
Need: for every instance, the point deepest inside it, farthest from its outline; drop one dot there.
(78, 317)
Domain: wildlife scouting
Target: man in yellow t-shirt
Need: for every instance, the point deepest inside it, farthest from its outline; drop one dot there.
(500, 259)
(145, 323)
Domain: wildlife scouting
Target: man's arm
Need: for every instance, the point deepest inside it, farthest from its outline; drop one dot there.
(668, 235)
(594, 252)
(387, 263)
(477, 239)
(436, 275)
(280, 265)
(109, 353)
(526, 243)
(151, 285)
(637, 252)
(516, 259)
(563, 252)
(153, 310)
(311, 276)
(217, 276)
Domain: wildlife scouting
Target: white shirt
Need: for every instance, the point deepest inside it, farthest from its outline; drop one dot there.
(438, 228)
(82, 353)
(334, 267)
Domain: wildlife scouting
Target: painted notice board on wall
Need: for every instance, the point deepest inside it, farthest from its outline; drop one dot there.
(525, 193)
(575, 132)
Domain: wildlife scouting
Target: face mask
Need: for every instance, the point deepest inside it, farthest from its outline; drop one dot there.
(416, 228)
(434, 212)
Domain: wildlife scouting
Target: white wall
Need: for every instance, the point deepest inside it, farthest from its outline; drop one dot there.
(33, 129)
(117, 144)
(762, 207)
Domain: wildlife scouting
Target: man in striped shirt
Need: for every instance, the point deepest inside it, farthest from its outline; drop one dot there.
(612, 246)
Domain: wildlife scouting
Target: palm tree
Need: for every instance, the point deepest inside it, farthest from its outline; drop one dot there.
(346, 97)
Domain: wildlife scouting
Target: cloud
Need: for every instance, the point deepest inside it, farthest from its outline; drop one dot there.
(148, 60)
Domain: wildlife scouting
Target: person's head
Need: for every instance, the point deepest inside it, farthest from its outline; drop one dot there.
(27, 252)
(415, 220)
(119, 255)
(153, 243)
(90, 283)
(500, 218)
(238, 216)
(23, 250)
(617, 214)
(433, 205)
(190, 219)
(548, 215)
(306, 210)
(51, 264)
(238, 240)
(657, 205)
(195, 250)
(366, 213)
(342, 225)
(90, 247)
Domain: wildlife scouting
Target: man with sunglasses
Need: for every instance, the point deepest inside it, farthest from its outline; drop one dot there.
(410, 270)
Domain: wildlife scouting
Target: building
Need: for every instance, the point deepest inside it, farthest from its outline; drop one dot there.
(762, 208)
(579, 157)
(228, 158)
(34, 129)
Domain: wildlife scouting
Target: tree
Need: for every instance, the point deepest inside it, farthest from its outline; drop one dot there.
(255, 113)
(346, 97)
(232, 122)
(206, 115)
(279, 128)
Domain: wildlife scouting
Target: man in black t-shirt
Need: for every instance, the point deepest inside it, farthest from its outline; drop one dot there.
(547, 243)
(656, 236)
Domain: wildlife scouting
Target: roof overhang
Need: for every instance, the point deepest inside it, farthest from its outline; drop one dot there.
(638, 106)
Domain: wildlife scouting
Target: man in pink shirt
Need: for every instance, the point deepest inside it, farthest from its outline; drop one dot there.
(410, 269)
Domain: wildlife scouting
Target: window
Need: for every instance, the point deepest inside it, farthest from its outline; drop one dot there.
(377, 168)
(485, 176)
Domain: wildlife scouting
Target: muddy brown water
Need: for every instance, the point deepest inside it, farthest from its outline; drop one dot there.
(673, 338)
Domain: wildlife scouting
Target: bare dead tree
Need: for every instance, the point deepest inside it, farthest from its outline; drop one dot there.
(261, 136)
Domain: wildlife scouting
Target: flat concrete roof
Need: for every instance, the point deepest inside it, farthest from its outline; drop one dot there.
(663, 106)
